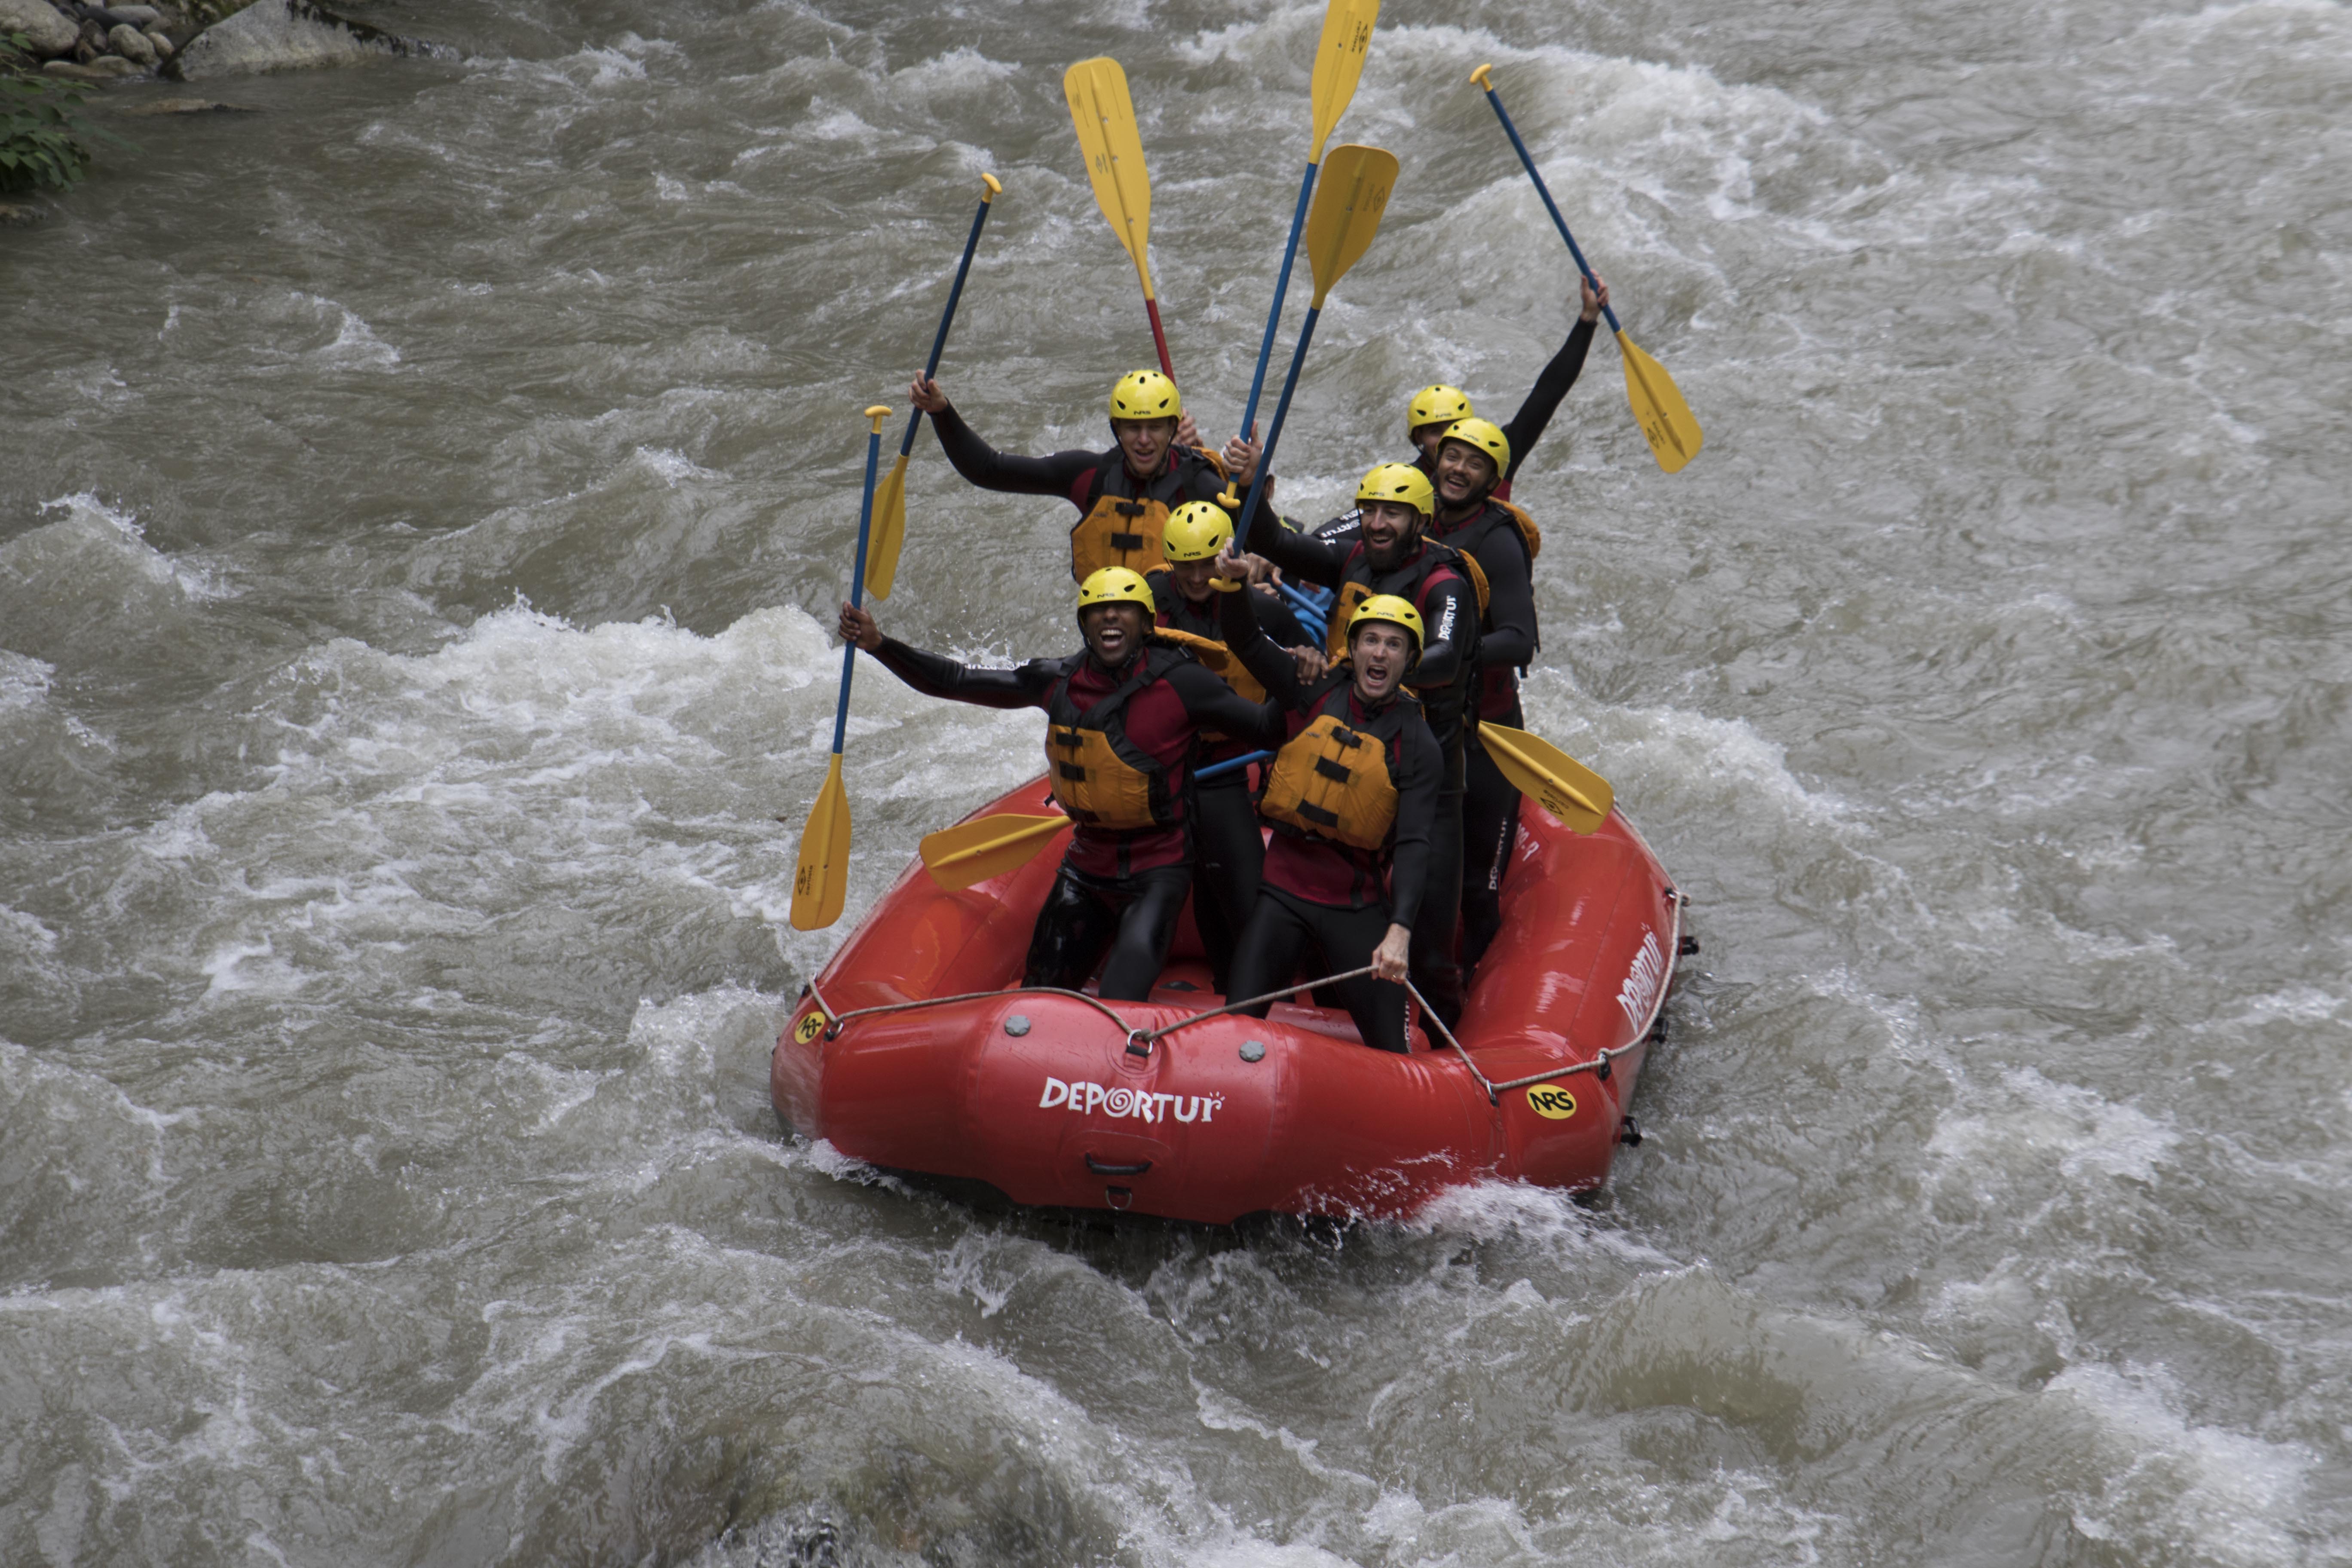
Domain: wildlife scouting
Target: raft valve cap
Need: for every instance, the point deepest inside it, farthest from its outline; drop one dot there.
(1017, 1025)
(1252, 1050)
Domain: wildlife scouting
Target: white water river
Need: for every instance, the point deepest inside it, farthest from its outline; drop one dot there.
(415, 498)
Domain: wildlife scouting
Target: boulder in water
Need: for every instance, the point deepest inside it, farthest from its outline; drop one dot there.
(286, 35)
(132, 44)
(48, 31)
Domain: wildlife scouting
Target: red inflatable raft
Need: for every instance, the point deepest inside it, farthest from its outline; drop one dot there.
(916, 1050)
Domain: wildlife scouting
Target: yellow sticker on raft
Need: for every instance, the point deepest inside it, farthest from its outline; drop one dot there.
(809, 1028)
(1553, 1102)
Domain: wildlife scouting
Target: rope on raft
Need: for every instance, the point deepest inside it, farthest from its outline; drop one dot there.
(1140, 1041)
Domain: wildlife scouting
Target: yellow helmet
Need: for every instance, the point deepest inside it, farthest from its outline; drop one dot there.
(1398, 483)
(1145, 394)
(1389, 608)
(1486, 438)
(1116, 585)
(1196, 532)
(1438, 405)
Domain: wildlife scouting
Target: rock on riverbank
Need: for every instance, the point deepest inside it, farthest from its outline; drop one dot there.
(194, 39)
(286, 35)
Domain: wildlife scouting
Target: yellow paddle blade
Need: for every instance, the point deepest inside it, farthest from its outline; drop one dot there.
(821, 884)
(1579, 797)
(975, 852)
(889, 530)
(1658, 407)
(1350, 196)
(1104, 117)
(1338, 61)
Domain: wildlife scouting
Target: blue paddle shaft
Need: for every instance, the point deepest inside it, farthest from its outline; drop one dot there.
(857, 585)
(1281, 412)
(1218, 770)
(939, 344)
(1299, 601)
(1281, 288)
(1551, 206)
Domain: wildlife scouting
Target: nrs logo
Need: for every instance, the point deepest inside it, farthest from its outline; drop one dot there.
(810, 1025)
(1141, 1104)
(1552, 1102)
(1640, 991)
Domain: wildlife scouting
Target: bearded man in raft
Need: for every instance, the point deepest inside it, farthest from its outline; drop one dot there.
(1123, 717)
(1352, 798)
(1123, 495)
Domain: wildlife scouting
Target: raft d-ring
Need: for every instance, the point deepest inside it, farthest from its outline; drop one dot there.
(1138, 1044)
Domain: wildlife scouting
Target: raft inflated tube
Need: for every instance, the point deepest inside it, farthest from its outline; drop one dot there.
(916, 1049)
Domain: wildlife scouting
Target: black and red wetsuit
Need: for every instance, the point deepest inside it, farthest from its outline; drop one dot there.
(1427, 575)
(1332, 899)
(1490, 806)
(1525, 428)
(1093, 482)
(1119, 889)
(1228, 849)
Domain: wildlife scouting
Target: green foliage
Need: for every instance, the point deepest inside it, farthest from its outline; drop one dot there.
(40, 136)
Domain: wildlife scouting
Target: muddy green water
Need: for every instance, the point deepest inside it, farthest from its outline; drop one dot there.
(414, 501)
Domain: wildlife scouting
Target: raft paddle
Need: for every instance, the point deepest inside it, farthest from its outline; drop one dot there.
(975, 852)
(1339, 62)
(1579, 797)
(821, 881)
(1346, 213)
(890, 501)
(1104, 117)
(1232, 765)
(1658, 407)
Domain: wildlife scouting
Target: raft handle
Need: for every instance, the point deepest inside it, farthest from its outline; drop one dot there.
(1099, 1169)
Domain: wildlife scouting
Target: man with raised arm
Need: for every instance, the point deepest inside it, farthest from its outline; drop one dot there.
(1352, 800)
(1393, 557)
(1123, 717)
(1230, 851)
(1124, 495)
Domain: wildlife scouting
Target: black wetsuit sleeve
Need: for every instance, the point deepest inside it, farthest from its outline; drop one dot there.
(1209, 701)
(1449, 615)
(1509, 641)
(936, 674)
(1275, 620)
(991, 470)
(1238, 624)
(1526, 426)
(1347, 528)
(1419, 768)
(1318, 561)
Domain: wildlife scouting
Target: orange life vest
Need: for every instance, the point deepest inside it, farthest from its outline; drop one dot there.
(1332, 781)
(1124, 522)
(1098, 775)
